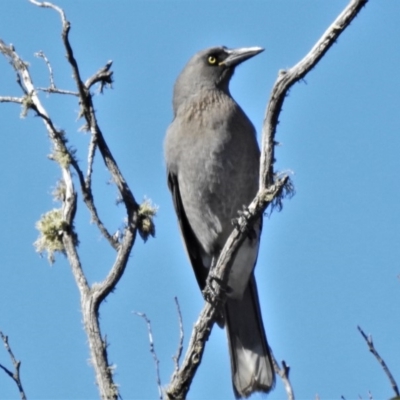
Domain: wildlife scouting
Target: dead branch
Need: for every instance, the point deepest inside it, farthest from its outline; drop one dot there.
(283, 372)
(10, 99)
(287, 78)
(67, 239)
(380, 360)
(52, 88)
(15, 376)
(153, 353)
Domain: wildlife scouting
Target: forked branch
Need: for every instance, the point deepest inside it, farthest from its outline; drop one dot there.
(381, 361)
(66, 239)
(14, 375)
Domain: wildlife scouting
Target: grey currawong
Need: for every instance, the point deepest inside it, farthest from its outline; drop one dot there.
(212, 159)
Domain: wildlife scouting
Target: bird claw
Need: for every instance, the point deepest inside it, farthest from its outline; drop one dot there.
(250, 231)
(245, 213)
(235, 223)
(209, 292)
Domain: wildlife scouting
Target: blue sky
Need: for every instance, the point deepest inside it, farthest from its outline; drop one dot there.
(328, 261)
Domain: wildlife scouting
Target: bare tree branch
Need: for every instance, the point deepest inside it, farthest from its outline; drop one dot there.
(90, 116)
(66, 240)
(15, 376)
(271, 190)
(372, 349)
(284, 375)
(92, 298)
(288, 78)
(52, 88)
(153, 353)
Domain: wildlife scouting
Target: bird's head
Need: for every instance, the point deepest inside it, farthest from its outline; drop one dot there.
(210, 69)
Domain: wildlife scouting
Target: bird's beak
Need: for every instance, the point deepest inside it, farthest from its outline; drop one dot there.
(237, 56)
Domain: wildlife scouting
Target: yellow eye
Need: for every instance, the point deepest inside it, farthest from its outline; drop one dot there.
(212, 60)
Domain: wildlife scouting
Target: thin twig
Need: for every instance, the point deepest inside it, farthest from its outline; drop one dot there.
(15, 376)
(380, 360)
(153, 353)
(57, 91)
(46, 4)
(103, 75)
(283, 372)
(178, 354)
(40, 54)
(52, 88)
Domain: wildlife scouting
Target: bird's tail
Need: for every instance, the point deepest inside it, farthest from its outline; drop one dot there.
(252, 369)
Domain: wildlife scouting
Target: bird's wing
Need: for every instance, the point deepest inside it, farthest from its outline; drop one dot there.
(192, 245)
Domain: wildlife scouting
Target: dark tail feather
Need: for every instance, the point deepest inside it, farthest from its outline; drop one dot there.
(252, 369)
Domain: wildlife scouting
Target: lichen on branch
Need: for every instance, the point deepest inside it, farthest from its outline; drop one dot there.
(51, 227)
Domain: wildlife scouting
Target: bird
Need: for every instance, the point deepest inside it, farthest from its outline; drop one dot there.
(212, 161)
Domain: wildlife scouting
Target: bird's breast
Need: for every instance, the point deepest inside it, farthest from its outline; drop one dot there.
(216, 157)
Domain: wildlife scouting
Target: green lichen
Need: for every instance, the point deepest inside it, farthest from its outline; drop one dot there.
(51, 227)
(147, 211)
(27, 103)
(63, 156)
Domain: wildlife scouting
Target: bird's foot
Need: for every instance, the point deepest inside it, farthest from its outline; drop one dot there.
(241, 213)
(209, 293)
(250, 232)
